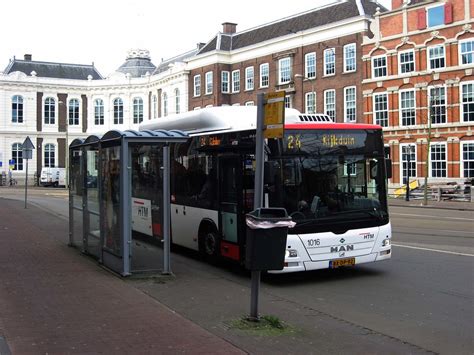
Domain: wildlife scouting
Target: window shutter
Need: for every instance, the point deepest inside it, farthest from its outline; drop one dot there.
(421, 19)
(448, 13)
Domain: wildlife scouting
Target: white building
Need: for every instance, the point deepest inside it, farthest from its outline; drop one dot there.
(55, 102)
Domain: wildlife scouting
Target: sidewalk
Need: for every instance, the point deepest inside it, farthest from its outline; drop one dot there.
(53, 300)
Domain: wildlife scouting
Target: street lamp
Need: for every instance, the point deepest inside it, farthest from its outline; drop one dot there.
(66, 165)
(311, 80)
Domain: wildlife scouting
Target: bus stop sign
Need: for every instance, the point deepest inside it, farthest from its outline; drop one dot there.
(274, 114)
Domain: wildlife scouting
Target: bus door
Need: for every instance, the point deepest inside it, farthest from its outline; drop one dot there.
(230, 205)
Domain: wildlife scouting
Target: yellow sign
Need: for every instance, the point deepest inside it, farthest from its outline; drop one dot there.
(274, 115)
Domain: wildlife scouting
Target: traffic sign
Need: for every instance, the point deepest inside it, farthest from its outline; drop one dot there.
(27, 144)
(274, 115)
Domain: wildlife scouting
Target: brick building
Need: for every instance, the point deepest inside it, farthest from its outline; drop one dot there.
(418, 76)
(315, 57)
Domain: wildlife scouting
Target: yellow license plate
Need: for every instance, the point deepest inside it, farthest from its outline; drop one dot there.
(342, 262)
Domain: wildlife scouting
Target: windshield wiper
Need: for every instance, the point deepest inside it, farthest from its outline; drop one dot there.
(377, 213)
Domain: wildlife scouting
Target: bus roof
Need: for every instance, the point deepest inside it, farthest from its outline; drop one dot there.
(222, 119)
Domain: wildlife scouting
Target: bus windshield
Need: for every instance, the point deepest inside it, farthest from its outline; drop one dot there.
(329, 181)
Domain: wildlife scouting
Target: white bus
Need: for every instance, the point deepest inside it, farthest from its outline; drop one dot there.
(330, 177)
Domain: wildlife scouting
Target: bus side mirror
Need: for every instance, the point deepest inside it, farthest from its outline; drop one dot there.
(388, 168)
(268, 173)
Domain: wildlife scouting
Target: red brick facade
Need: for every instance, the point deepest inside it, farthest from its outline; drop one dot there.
(419, 64)
(298, 85)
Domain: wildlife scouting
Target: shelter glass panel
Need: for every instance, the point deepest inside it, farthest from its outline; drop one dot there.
(110, 199)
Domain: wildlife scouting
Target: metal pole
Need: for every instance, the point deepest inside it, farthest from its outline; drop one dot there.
(428, 142)
(258, 200)
(26, 182)
(166, 210)
(258, 196)
(407, 197)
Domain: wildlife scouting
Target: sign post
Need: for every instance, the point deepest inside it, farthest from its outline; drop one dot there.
(270, 121)
(27, 148)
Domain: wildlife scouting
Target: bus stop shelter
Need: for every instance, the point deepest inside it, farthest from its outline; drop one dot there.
(119, 199)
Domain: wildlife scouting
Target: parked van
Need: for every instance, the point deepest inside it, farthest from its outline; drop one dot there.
(53, 177)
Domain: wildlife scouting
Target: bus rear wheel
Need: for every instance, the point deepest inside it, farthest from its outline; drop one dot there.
(209, 245)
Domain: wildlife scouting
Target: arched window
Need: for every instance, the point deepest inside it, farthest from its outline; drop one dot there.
(49, 110)
(118, 111)
(137, 110)
(99, 112)
(177, 99)
(17, 109)
(73, 112)
(49, 155)
(165, 104)
(17, 156)
(155, 106)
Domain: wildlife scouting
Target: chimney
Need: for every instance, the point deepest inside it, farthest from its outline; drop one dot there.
(27, 57)
(396, 4)
(229, 28)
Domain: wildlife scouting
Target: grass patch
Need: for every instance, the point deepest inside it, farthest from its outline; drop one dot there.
(267, 326)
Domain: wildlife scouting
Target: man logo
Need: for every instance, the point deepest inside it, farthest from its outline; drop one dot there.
(342, 248)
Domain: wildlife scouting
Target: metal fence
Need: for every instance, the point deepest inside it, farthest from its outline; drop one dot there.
(456, 192)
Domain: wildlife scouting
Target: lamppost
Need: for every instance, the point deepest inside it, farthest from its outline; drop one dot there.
(311, 80)
(66, 165)
(430, 115)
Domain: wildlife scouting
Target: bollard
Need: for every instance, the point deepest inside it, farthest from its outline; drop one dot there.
(471, 189)
(438, 197)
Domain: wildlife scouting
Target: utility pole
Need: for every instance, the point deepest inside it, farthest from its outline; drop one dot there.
(430, 116)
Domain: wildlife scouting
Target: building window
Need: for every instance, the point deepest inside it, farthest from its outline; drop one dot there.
(381, 109)
(250, 103)
(467, 159)
(349, 57)
(350, 169)
(17, 109)
(379, 66)
(17, 156)
(73, 112)
(209, 78)
(408, 150)
(407, 108)
(118, 111)
(330, 103)
(436, 57)
(466, 51)
(249, 78)
(288, 101)
(177, 101)
(407, 61)
(310, 65)
(49, 156)
(98, 112)
(284, 70)
(137, 110)
(225, 77)
(236, 81)
(350, 104)
(264, 75)
(310, 102)
(467, 102)
(165, 104)
(197, 85)
(49, 111)
(155, 106)
(437, 105)
(438, 160)
(435, 16)
(329, 61)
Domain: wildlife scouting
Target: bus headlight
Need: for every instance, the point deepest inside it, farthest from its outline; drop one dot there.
(386, 242)
(291, 253)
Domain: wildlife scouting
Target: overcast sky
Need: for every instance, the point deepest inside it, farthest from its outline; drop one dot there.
(102, 32)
